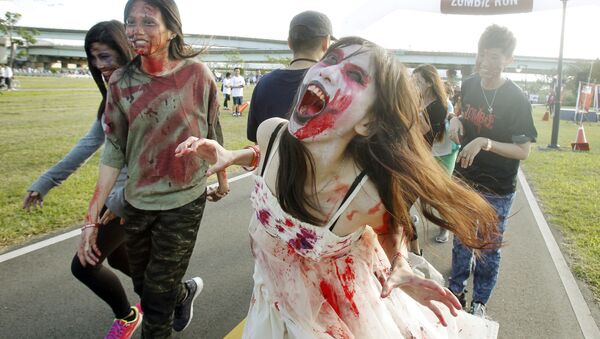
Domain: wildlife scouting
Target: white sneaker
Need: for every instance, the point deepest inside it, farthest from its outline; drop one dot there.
(478, 309)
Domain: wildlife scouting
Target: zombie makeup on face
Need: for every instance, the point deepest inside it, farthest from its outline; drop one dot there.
(335, 94)
(146, 29)
(105, 59)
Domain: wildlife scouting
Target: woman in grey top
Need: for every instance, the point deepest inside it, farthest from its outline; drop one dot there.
(107, 49)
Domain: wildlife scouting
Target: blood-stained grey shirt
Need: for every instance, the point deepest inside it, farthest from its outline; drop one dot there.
(146, 117)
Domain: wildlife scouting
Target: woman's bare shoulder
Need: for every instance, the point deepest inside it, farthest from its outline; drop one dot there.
(265, 129)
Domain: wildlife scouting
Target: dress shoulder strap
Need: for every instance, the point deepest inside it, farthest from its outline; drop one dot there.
(270, 146)
(358, 182)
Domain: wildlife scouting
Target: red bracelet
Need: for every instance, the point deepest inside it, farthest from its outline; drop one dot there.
(255, 158)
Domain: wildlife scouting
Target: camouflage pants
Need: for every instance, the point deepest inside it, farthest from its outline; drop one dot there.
(159, 246)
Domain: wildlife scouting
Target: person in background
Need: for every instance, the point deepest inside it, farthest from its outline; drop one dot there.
(107, 49)
(8, 75)
(259, 75)
(2, 83)
(156, 101)
(226, 89)
(309, 36)
(495, 130)
(237, 91)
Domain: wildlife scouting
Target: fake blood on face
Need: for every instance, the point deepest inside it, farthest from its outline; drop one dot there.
(325, 120)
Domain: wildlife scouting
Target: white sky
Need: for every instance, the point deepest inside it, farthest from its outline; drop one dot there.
(382, 21)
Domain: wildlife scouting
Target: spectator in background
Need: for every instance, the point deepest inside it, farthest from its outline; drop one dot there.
(435, 103)
(237, 91)
(308, 38)
(226, 89)
(2, 76)
(258, 75)
(496, 131)
(456, 101)
(551, 102)
(8, 74)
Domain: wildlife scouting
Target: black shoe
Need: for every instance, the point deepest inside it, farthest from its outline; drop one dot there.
(184, 311)
(461, 298)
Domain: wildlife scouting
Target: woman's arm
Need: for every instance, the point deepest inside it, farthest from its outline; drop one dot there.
(78, 155)
(217, 155)
(87, 251)
(107, 176)
(401, 274)
(222, 158)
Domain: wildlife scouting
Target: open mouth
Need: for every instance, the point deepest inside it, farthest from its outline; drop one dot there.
(106, 74)
(313, 102)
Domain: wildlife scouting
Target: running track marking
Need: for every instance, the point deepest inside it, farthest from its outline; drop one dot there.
(51, 241)
(582, 312)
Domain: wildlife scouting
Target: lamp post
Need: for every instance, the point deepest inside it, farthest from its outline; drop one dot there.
(556, 118)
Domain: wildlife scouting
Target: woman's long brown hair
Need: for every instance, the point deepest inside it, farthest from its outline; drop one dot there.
(430, 75)
(397, 160)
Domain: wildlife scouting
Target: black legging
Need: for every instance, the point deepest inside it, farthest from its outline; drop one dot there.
(100, 279)
(226, 100)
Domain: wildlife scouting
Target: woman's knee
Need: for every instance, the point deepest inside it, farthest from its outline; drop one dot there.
(79, 271)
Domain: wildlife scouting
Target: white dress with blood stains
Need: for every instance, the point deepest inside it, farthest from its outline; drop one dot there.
(311, 283)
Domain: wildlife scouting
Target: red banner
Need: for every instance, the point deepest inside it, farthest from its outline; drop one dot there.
(485, 7)
(586, 95)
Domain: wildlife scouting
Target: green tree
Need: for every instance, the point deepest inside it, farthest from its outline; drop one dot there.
(17, 36)
(581, 71)
(234, 57)
(279, 60)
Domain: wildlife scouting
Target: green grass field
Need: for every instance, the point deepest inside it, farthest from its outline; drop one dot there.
(40, 127)
(567, 185)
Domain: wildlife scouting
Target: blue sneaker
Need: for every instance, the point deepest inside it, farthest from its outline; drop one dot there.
(184, 311)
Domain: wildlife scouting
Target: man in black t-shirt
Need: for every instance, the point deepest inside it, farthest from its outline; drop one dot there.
(496, 131)
(309, 37)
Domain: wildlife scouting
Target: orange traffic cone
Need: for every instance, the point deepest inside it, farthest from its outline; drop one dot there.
(546, 116)
(244, 106)
(581, 143)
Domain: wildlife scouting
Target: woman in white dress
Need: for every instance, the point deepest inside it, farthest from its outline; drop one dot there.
(331, 197)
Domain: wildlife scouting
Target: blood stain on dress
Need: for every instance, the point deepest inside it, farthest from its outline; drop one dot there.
(330, 296)
(346, 279)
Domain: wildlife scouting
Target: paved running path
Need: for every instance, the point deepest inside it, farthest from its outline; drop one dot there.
(40, 299)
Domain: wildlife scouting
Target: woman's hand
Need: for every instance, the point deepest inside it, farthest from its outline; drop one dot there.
(470, 151)
(214, 193)
(207, 149)
(424, 291)
(88, 252)
(455, 130)
(107, 217)
(33, 199)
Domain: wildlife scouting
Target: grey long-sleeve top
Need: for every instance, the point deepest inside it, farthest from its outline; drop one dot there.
(78, 155)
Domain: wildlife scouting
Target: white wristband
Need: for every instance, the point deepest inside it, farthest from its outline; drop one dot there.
(488, 146)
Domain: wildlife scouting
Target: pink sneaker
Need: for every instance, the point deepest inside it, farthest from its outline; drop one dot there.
(122, 329)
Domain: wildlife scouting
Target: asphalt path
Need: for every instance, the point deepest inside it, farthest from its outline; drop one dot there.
(40, 299)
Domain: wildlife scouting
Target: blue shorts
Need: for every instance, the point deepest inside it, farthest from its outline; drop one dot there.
(237, 100)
